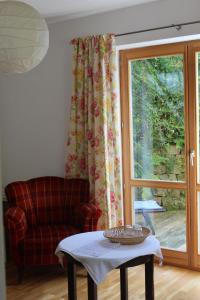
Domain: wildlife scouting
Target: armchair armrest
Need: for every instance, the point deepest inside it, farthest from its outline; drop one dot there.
(16, 223)
(89, 215)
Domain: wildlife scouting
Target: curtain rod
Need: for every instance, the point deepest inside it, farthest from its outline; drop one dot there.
(177, 26)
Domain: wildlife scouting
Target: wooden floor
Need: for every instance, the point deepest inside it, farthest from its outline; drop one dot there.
(171, 283)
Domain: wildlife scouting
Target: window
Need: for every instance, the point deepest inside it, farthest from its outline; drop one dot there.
(160, 115)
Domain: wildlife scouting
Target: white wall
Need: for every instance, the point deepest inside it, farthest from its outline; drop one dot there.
(34, 107)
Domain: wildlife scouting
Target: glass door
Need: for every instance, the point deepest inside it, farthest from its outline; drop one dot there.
(154, 97)
(194, 116)
(158, 145)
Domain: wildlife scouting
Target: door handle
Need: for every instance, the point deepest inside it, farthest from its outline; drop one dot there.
(192, 156)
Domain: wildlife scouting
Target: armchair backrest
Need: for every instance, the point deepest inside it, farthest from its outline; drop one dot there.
(49, 200)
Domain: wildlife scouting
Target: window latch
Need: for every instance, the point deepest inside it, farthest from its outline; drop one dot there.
(192, 156)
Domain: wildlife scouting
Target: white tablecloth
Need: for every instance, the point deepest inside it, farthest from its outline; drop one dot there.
(99, 255)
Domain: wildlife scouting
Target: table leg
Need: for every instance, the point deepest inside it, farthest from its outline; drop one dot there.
(149, 281)
(71, 272)
(124, 283)
(92, 288)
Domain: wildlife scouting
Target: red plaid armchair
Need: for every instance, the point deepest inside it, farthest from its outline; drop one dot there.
(44, 211)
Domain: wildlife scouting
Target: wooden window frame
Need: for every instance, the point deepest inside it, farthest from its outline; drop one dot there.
(188, 258)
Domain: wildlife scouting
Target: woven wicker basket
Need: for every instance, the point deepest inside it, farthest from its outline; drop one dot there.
(124, 238)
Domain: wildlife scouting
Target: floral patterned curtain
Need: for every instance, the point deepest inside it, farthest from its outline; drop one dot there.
(93, 149)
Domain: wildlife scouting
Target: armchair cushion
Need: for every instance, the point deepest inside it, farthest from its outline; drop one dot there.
(48, 198)
(54, 198)
(40, 243)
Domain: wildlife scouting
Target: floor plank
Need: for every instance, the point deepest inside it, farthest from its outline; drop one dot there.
(171, 283)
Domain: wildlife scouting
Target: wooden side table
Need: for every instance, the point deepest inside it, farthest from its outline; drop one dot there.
(92, 287)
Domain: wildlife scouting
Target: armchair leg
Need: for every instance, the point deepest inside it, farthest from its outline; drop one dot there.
(20, 274)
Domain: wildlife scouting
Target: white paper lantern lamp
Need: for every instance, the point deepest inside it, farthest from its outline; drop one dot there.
(24, 37)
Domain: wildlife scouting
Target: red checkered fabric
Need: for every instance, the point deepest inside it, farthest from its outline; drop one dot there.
(41, 242)
(44, 211)
(54, 198)
(17, 224)
(87, 216)
(18, 194)
(48, 197)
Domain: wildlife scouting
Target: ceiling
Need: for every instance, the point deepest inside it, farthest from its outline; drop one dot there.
(77, 8)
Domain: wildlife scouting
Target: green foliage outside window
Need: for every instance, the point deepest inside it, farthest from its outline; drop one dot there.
(158, 118)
